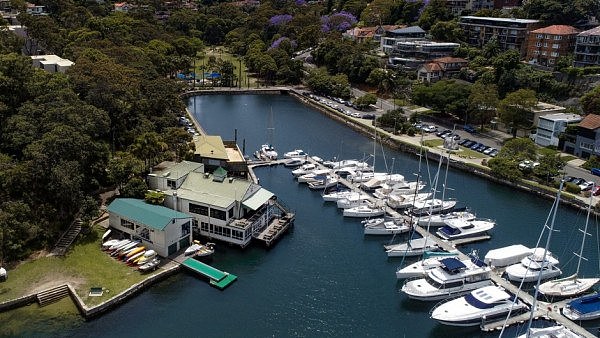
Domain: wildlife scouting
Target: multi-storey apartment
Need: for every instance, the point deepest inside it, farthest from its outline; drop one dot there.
(510, 33)
(550, 126)
(545, 45)
(587, 48)
(393, 37)
(412, 54)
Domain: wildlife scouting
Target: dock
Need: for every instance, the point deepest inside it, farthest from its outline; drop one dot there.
(218, 278)
(549, 311)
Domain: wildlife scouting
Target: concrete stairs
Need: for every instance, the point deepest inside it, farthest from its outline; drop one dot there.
(53, 295)
(67, 238)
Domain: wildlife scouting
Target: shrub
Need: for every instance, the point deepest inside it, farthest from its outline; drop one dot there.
(572, 188)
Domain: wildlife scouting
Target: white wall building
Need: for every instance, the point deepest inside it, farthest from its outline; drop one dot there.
(550, 127)
(161, 229)
(51, 63)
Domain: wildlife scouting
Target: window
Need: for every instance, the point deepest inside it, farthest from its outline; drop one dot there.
(536, 52)
(539, 36)
(126, 224)
(218, 214)
(545, 44)
(230, 213)
(198, 209)
(185, 228)
(538, 44)
(547, 36)
(554, 54)
(171, 184)
(204, 226)
(555, 46)
(544, 53)
(558, 37)
(586, 145)
(145, 234)
(237, 234)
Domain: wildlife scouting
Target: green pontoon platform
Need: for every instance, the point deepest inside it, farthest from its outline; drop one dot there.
(218, 278)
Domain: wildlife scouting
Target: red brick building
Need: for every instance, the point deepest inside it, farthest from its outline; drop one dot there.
(547, 44)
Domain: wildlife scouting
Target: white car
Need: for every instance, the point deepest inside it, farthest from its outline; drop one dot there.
(527, 164)
(429, 129)
(586, 185)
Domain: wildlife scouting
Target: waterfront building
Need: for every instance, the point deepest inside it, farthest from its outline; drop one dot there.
(229, 209)
(440, 68)
(545, 45)
(587, 48)
(509, 32)
(161, 229)
(550, 126)
(393, 37)
(213, 152)
(584, 141)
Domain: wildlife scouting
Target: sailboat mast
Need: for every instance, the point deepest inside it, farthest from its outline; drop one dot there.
(585, 233)
(539, 279)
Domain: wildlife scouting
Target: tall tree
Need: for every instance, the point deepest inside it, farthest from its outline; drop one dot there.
(515, 107)
(482, 103)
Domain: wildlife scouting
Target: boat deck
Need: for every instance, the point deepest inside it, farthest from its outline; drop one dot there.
(218, 278)
(276, 228)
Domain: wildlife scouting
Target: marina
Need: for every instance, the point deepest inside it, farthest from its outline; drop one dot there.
(318, 290)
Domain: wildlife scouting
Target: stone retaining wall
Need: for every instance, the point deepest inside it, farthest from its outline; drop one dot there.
(18, 302)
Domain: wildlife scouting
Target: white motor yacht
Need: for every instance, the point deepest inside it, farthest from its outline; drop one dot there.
(354, 200)
(533, 266)
(439, 220)
(268, 152)
(297, 153)
(399, 188)
(313, 175)
(420, 268)
(484, 304)
(323, 183)
(294, 162)
(507, 255)
(304, 169)
(556, 331)
(583, 308)
(460, 228)
(454, 277)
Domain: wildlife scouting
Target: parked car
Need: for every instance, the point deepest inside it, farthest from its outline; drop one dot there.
(595, 171)
(586, 185)
(368, 116)
(488, 150)
(463, 142)
(469, 144)
(596, 190)
(577, 181)
(429, 129)
(475, 146)
(443, 133)
(527, 164)
(494, 152)
(469, 128)
(482, 148)
(452, 136)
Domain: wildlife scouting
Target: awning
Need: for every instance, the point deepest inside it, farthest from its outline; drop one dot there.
(258, 199)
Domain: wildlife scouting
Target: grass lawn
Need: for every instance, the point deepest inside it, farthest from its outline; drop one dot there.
(85, 266)
(220, 53)
(568, 158)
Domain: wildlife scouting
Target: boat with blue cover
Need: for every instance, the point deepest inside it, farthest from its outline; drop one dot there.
(583, 308)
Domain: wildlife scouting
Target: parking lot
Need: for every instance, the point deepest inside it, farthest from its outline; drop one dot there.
(467, 138)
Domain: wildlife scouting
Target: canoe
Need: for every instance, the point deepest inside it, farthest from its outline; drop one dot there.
(148, 256)
(135, 257)
(133, 252)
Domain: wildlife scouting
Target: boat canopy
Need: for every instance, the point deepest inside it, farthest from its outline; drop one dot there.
(452, 264)
(258, 199)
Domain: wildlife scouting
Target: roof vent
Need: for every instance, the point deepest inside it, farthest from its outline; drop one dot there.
(206, 175)
(231, 180)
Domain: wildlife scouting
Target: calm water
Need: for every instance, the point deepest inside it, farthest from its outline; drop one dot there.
(324, 278)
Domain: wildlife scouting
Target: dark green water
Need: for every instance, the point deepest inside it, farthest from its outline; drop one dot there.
(324, 278)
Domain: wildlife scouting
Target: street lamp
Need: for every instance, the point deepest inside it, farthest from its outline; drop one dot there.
(395, 120)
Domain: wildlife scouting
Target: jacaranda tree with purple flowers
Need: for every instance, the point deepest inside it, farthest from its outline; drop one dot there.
(280, 19)
(340, 22)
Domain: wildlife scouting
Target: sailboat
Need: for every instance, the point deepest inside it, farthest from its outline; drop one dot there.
(556, 330)
(574, 284)
(267, 151)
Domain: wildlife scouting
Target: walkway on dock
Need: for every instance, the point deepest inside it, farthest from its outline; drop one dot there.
(218, 278)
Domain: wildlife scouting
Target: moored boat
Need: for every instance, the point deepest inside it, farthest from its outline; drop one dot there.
(385, 227)
(363, 211)
(540, 263)
(296, 153)
(439, 220)
(149, 266)
(294, 162)
(583, 308)
(459, 228)
(413, 247)
(454, 277)
(484, 304)
(147, 257)
(420, 268)
(507, 255)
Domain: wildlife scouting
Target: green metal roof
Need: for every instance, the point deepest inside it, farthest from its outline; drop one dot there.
(154, 216)
(258, 199)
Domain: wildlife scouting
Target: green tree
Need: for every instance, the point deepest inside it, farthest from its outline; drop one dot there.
(365, 101)
(122, 167)
(448, 31)
(154, 197)
(515, 107)
(435, 11)
(148, 147)
(482, 103)
(445, 96)
(518, 149)
(551, 163)
(505, 168)
(590, 101)
(135, 188)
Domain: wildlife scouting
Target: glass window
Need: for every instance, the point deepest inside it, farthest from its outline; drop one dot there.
(171, 184)
(185, 228)
(218, 214)
(230, 213)
(126, 224)
(198, 209)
